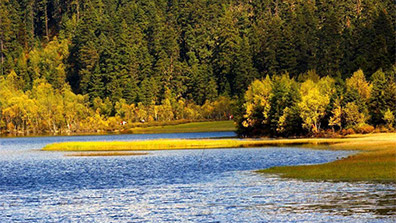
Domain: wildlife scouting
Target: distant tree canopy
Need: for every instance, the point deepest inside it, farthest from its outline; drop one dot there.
(145, 51)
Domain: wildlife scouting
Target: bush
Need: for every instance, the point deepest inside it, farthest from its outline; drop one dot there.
(364, 129)
(349, 131)
(328, 133)
(377, 130)
(382, 128)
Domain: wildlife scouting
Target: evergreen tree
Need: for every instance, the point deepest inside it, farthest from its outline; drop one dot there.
(8, 42)
(285, 95)
(378, 103)
(244, 72)
(329, 53)
(306, 37)
(382, 48)
(287, 55)
(358, 91)
(227, 44)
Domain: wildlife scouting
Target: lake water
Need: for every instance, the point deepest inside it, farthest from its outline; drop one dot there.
(180, 186)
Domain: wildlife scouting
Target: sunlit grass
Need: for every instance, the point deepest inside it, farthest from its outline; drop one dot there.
(361, 143)
(173, 144)
(376, 162)
(212, 126)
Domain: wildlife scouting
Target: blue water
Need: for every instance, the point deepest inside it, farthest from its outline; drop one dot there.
(182, 186)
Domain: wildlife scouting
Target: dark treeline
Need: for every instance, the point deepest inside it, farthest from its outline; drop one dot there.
(146, 52)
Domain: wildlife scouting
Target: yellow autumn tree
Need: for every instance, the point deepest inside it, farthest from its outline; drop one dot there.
(48, 63)
(50, 105)
(257, 102)
(335, 119)
(353, 117)
(75, 108)
(358, 83)
(314, 99)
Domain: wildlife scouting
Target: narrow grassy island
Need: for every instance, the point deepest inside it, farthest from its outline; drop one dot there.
(375, 161)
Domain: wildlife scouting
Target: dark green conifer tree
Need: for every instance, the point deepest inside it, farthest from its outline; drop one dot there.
(243, 70)
(329, 53)
(225, 53)
(378, 103)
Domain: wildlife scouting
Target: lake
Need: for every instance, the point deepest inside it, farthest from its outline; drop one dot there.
(217, 185)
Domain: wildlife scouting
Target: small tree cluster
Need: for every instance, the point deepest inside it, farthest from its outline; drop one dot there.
(283, 106)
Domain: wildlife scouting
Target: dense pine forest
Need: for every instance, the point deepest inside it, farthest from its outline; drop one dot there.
(281, 67)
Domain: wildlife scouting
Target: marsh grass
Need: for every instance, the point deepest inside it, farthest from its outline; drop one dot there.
(174, 144)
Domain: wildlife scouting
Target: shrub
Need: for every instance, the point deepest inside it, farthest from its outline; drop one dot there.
(389, 118)
(382, 128)
(328, 133)
(378, 130)
(349, 131)
(365, 129)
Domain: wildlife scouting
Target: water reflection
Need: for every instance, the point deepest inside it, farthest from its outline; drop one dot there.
(354, 200)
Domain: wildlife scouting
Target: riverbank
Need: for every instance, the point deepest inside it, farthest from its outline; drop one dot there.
(376, 160)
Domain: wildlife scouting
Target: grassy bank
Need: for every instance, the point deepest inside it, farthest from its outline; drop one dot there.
(212, 126)
(375, 162)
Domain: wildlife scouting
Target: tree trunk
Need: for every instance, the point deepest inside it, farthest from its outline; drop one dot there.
(358, 7)
(54, 127)
(78, 10)
(276, 8)
(46, 22)
(32, 23)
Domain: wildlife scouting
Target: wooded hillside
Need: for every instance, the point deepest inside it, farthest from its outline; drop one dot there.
(147, 52)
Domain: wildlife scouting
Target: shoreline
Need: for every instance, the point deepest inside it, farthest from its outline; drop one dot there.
(375, 161)
(188, 127)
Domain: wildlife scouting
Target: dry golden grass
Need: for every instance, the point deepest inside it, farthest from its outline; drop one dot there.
(167, 144)
(367, 142)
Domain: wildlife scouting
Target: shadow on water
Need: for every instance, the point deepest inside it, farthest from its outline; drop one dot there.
(362, 202)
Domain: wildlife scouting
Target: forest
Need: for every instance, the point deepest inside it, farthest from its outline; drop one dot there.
(281, 67)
